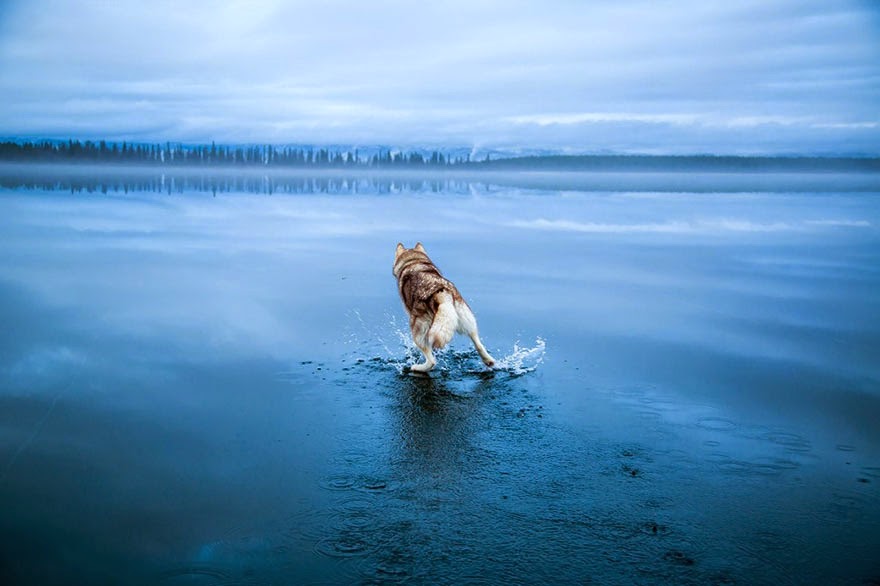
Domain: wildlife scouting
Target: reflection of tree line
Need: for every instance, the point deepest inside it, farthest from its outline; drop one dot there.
(163, 183)
(173, 154)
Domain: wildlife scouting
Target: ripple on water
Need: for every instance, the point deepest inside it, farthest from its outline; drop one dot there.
(359, 519)
(678, 558)
(769, 548)
(765, 466)
(373, 484)
(871, 471)
(304, 526)
(194, 574)
(773, 465)
(339, 482)
(392, 566)
(386, 573)
(650, 415)
(352, 457)
(658, 502)
(654, 528)
(348, 543)
(355, 513)
(790, 441)
(845, 506)
(739, 467)
(359, 482)
(716, 424)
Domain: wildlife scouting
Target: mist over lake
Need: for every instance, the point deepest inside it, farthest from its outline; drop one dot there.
(203, 378)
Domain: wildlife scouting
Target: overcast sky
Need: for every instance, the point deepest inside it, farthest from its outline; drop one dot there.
(750, 76)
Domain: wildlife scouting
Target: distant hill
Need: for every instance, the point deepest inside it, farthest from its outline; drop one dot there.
(658, 163)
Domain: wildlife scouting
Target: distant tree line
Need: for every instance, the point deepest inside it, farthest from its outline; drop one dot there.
(213, 155)
(74, 151)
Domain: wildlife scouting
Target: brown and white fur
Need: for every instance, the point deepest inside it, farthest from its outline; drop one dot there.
(436, 309)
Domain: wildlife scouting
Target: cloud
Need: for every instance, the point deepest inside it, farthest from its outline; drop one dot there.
(630, 76)
(580, 118)
(716, 227)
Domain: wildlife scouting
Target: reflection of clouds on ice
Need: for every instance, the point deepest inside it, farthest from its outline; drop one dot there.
(841, 223)
(46, 362)
(264, 275)
(684, 227)
(244, 221)
(231, 223)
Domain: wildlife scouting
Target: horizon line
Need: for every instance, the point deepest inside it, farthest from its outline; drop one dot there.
(502, 151)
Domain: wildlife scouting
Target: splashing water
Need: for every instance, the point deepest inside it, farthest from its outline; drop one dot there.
(522, 359)
(404, 354)
(392, 355)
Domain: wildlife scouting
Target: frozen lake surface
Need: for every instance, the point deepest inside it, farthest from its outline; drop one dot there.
(201, 380)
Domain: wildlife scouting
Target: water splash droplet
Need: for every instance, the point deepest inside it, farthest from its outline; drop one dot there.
(522, 359)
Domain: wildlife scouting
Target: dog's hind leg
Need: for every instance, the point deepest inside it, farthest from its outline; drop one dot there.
(467, 324)
(429, 362)
(484, 354)
(419, 329)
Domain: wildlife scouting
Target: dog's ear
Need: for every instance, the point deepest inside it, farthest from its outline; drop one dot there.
(420, 248)
(399, 250)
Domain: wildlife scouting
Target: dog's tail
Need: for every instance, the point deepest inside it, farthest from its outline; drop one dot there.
(445, 321)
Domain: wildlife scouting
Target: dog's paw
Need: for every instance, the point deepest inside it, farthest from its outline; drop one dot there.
(490, 363)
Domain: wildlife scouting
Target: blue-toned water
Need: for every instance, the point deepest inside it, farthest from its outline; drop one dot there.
(202, 380)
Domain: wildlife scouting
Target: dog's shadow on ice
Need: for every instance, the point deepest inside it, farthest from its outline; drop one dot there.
(440, 420)
(436, 392)
(436, 420)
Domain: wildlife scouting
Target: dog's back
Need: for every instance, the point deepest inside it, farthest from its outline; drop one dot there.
(419, 281)
(436, 309)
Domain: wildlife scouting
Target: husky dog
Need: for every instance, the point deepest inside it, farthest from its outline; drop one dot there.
(435, 307)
